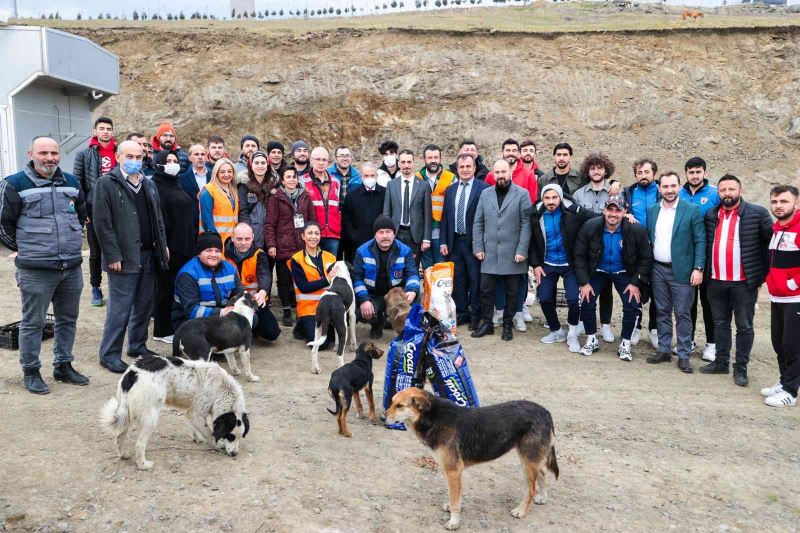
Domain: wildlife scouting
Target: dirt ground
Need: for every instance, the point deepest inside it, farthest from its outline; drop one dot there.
(640, 448)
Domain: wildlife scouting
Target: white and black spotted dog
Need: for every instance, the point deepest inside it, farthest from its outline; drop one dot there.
(199, 338)
(202, 390)
(337, 307)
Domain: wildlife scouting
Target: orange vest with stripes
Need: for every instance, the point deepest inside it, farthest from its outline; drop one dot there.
(307, 302)
(225, 215)
(446, 178)
(248, 273)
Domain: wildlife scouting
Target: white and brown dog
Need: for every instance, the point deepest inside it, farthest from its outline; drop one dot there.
(336, 302)
(198, 388)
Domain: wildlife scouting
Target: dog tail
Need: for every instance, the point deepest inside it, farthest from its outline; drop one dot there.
(552, 463)
(113, 416)
(324, 323)
(335, 397)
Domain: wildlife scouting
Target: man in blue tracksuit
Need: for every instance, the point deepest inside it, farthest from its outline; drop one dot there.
(380, 265)
(698, 191)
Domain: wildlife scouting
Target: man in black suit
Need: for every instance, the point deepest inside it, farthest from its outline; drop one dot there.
(195, 178)
(460, 202)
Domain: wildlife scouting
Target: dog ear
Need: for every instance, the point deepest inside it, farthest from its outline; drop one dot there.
(422, 402)
(246, 421)
(224, 424)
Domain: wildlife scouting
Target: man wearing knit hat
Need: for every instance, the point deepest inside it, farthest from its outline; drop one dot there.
(167, 139)
(380, 265)
(300, 157)
(205, 284)
(277, 163)
(249, 144)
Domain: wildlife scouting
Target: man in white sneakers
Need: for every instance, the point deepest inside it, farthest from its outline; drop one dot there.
(783, 282)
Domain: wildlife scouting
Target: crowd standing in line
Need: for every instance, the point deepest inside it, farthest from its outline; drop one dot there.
(180, 232)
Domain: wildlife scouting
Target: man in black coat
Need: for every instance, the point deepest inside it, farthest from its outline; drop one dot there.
(455, 240)
(612, 250)
(360, 209)
(737, 262)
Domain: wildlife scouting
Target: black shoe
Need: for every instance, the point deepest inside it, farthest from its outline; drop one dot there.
(659, 357)
(146, 351)
(716, 367)
(474, 324)
(287, 317)
(460, 321)
(297, 334)
(485, 329)
(34, 382)
(376, 331)
(64, 372)
(740, 376)
(508, 332)
(685, 366)
(117, 366)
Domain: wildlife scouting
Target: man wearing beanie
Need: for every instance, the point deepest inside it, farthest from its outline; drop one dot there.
(167, 139)
(277, 164)
(205, 284)
(249, 144)
(555, 222)
(300, 157)
(381, 264)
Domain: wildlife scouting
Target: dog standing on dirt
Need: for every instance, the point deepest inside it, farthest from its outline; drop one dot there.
(347, 382)
(199, 338)
(337, 307)
(198, 388)
(397, 308)
(462, 437)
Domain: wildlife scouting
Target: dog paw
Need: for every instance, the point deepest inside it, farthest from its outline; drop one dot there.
(236, 371)
(518, 512)
(359, 414)
(373, 420)
(315, 370)
(253, 377)
(452, 525)
(540, 499)
(145, 465)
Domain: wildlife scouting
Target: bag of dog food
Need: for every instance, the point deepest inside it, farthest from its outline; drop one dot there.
(446, 366)
(403, 362)
(438, 295)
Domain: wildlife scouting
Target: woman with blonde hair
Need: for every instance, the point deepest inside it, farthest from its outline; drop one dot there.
(219, 205)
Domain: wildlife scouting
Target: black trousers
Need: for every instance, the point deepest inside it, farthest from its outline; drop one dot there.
(708, 317)
(467, 275)
(95, 266)
(285, 285)
(732, 300)
(786, 343)
(511, 284)
(165, 297)
(606, 303)
(404, 234)
(379, 308)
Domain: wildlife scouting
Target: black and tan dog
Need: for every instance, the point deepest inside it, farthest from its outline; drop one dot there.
(347, 381)
(462, 437)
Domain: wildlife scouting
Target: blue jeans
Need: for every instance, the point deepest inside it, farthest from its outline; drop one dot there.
(37, 289)
(500, 295)
(330, 245)
(431, 256)
(631, 310)
(547, 295)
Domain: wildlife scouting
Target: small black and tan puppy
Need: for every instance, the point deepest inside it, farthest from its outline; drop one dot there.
(348, 380)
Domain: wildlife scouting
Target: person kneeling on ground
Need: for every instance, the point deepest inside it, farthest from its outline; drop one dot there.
(252, 264)
(309, 269)
(380, 265)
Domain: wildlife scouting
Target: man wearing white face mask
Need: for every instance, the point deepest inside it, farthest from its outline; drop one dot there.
(389, 168)
(361, 207)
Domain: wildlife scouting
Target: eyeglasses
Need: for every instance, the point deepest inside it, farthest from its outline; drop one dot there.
(344, 156)
(168, 135)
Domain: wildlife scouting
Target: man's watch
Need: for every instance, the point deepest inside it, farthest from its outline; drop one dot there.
(699, 269)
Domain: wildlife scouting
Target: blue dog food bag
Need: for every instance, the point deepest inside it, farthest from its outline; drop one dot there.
(447, 369)
(403, 361)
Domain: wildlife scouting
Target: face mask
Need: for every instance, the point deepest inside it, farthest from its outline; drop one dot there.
(131, 166)
(370, 182)
(390, 160)
(172, 169)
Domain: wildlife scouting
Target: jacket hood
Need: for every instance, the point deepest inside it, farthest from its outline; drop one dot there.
(112, 144)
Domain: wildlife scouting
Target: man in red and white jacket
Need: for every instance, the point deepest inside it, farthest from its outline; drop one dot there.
(324, 191)
(783, 283)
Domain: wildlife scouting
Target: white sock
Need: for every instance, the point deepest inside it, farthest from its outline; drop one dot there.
(591, 338)
(626, 343)
(573, 330)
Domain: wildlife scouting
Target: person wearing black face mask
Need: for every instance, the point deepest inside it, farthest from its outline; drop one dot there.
(181, 231)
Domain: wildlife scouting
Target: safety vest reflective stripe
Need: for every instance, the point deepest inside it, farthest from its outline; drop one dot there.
(307, 297)
(225, 215)
(307, 302)
(249, 271)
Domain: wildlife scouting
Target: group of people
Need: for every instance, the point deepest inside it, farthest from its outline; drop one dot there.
(179, 232)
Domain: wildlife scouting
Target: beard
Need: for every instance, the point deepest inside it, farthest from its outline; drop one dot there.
(434, 168)
(301, 160)
(512, 160)
(167, 145)
(503, 184)
(527, 159)
(730, 202)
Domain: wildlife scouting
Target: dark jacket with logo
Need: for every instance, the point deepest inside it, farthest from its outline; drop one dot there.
(572, 218)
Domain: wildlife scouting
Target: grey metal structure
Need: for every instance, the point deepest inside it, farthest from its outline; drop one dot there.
(52, 81)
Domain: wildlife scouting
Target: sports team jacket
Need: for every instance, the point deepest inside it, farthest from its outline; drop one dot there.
(783, 280)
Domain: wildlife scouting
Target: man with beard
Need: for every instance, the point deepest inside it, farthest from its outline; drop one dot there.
(468, 147)
(501, 233)
(640, 197)
(215, 150)
(389, 169)
(783, 282)
(248, 146)
(167, 139)
(439, 179)
(343, 170)
(97, 159)
(408, 204)
(195, 178)
(300, 158)
(562, 173)
(48, 268)
(738, 236)
(679, 258)
(698, 191)
(527, 153)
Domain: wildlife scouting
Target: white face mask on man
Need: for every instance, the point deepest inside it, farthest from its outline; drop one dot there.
(390, 160)
(370, 183)
(172, 169)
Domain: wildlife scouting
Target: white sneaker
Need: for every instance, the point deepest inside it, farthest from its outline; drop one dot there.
(607, 334)
(581, 329)
(589, 348)
(573, 344)
(781, 399)
(636, 336)
(519, 322)
(624, 352)
(165, 340)
(497, 318)
(710, 353)
(769, 391)
(554, 337)
(691, 349)
(526, 315)
(654, 338)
